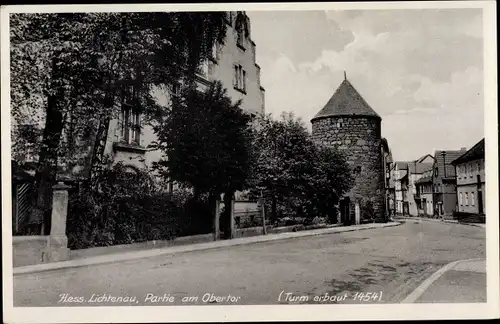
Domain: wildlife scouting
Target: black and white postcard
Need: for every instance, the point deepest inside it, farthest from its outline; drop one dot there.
(249, 162)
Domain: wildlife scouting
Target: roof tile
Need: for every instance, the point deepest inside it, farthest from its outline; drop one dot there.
(346, 101)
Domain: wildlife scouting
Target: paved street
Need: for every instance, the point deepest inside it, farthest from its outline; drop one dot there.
(389, 263)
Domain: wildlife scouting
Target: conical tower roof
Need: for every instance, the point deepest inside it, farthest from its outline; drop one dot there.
(346, 101)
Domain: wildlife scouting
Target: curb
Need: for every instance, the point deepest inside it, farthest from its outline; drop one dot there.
(439, 221)
(419, 291)
(136, 255)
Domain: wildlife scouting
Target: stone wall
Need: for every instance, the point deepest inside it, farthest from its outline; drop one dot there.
(360, 139)
(29, 250)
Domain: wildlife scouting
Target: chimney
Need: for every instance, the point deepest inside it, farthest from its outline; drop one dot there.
(463, 149)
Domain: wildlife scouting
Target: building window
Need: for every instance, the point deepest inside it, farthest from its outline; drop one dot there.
(244, 76)
(130, 118)
(466, 199)
(472, 199)
(461, 199)
(214, 55)
(240, 38)
(240, 78)
(478, 165)
(203, 69)
(131, 125)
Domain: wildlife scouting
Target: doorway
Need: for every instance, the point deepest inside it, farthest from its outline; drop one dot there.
(345, 211)
(480, 202)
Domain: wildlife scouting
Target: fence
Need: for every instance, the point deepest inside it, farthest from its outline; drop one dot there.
(21, 205)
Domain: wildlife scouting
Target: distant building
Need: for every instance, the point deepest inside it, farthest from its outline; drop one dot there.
(350, 124)
(391, 191)
(387, 163)
(409, 172)
(399, 173)
(444, 182)
(470, 179)
(425, 194)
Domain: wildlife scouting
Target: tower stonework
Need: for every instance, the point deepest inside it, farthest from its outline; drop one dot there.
(348, 123)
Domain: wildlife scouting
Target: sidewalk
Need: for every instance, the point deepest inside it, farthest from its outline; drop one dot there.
(415, 218)
(133, 255)
(462, 281)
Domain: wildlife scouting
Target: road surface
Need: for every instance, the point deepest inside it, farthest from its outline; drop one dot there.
(371, 266)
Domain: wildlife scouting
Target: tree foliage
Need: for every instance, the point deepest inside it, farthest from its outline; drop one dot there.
(70, 70)
(296, 176)
(206, 141)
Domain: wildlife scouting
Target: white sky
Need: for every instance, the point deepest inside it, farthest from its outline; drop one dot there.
(420, 70)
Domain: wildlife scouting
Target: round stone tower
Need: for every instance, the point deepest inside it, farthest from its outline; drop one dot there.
(350, 124)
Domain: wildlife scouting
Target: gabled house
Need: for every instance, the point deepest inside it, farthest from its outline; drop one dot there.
(408, 201)
(425, 201)
(444, 182)
(470, 180)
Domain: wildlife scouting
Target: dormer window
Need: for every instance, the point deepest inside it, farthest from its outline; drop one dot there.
(242, 30)
(240, 39)
(229, 17)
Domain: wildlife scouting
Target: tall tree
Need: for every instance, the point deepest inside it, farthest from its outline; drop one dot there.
(294, 173)
(81, 64)
(206, 141)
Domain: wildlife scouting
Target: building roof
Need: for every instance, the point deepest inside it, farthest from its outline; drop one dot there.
(476, 152)
(421, 159)
(419, 168)
(346, 101)
(449, 157)
(402, 165)
(414, 167)
(424, 180)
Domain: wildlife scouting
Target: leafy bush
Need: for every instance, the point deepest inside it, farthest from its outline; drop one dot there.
(332, 215)
(130, 208)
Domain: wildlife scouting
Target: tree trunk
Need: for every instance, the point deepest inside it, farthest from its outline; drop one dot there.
(98, 151)
(212, 202)
(274, 213)
(45, 176)
(226, 218)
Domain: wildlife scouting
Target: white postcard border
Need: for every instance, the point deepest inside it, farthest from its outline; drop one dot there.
(491, 309)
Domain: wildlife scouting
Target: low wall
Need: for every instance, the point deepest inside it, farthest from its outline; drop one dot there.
(102, 250)
(244, 206)
(28, 250)
(255, 231)
(248, 232)
(203, 238)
